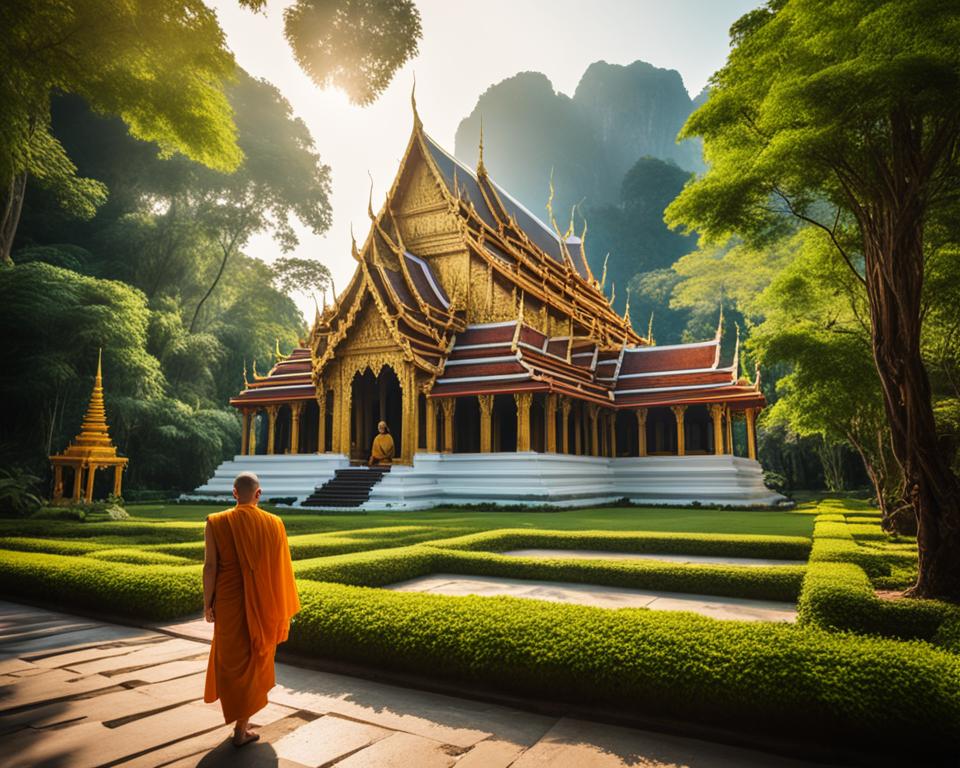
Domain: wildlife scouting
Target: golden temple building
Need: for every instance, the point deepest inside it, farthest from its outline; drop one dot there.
(91, 450)
(472, 327)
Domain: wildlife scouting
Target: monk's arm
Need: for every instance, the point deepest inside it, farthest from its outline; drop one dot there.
(209, 571)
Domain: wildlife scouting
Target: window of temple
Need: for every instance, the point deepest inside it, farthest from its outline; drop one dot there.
(627, 438)
(466, 425)
(661, 432)
(504, 423)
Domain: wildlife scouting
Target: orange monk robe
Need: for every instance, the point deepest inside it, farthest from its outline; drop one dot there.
(383, 449)
(254, 599)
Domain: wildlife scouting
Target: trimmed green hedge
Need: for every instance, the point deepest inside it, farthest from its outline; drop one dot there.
(776, 677)
(139, 557)
(721, 545)
(145, 591)
(49, 546)
(382, 567)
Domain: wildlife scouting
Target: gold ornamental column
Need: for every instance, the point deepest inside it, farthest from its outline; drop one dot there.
(578, 430)
(271, 428)
(244, 431)
(449, 405)
(117, 479)
(716, 412)
(550, 416)
(751, 414)
(523, 400)
(431, 425)
(295, 410)
(678, 411)
(612, 419)
(729, 430)
(57, 482)
(409, 423)
(565, 406)
(252, 434)
(91, 472)
(641, 432)
(486, 422)
(594, 430)
(77, 482)
(322, 423)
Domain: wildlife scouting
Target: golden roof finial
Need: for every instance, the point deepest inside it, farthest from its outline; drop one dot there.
(370, 198)
(520, 315)
(354, 252)
(99, 379)
(720, 322)
(650, 330)
(613, 293)
(736, 353)
(756, 381)
(417, 123)
(603, 277)
(626, 311)
(277, 353)
(481, 169)
(246, 384)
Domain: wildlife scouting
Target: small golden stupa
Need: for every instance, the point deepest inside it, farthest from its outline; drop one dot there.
(90, 451)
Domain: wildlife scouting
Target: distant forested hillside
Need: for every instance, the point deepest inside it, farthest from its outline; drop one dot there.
(612, 152)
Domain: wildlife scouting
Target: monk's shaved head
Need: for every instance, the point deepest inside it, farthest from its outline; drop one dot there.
(246, 485)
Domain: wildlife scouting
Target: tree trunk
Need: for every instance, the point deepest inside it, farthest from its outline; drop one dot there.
(10, 216)
(893, 258)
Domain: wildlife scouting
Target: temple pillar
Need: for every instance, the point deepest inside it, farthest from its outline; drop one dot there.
(431, 425)
(612, 421)
(57, 482)
(678, 411)
(578, 430)
(716, 413)
(322, 423)
(641, 432)
(252, 433)
(271, 428)
(523, 400)
(449, 405)
(77, 482)
(550, 417)
(409, 424)
(751, 414)
(295, 410)
(565, 405)
(244, 431)
(117, 479)
(486, 422)
(729, 430)
(594, 430)
(91, 474)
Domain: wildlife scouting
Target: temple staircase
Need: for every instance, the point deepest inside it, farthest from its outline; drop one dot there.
(347, 488)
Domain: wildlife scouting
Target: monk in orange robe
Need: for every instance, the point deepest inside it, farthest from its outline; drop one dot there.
(382, 450)
(250, 595)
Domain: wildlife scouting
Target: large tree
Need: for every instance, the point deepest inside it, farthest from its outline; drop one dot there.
(845, 115)
(159, 65)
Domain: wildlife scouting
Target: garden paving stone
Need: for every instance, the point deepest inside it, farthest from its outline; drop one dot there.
(581, 744)
(93, 653)
(170, 671)
(597, 554)
(491, 753)
(327, 739)
(52, 684)
(601, 597)
(157, 653)
(401, 750)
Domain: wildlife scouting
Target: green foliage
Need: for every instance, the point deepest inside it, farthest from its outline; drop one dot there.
(143, 591)
(774, 676)
(18, 492)
(356, 45)
(139, 557)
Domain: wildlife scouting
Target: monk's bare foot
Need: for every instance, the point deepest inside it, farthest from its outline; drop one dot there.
(244, 737)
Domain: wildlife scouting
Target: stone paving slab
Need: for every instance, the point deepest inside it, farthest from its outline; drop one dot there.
(54, 716)
(597, 554)
(328, 739)
(156, 653)
(601, 597)
(581, 744)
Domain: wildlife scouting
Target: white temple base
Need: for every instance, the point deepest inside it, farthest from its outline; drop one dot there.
(528, 479)
(280, 476)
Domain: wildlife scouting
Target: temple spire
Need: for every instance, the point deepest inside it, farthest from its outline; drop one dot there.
(417, 123)
(603, 276)
(246, 384)
(481, 168)
(626, 311)
(720, 323)
(650, 340)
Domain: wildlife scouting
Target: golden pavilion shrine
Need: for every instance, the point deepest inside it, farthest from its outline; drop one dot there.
(473, 328)
(91, 450)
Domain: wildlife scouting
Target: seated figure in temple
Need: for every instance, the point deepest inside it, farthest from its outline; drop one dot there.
(382, 450)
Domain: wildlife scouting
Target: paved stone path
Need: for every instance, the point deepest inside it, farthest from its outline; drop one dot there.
(596, 554)
(76, 693)
(734, 608)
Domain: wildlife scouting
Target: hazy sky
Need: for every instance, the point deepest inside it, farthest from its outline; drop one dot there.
(466, 48)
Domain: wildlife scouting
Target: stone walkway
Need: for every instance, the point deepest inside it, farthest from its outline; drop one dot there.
(76, 693)
(733, 608)
(596, 554)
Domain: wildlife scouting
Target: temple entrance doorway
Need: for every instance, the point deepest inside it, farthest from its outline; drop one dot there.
(374, 399)
(466, 426)
(504, 423)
